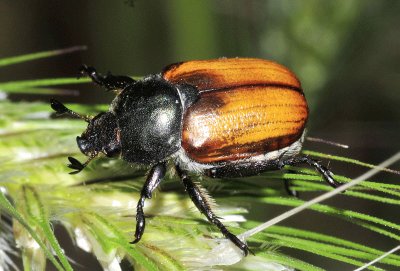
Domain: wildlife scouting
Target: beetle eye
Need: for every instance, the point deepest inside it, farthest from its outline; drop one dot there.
(83, 144)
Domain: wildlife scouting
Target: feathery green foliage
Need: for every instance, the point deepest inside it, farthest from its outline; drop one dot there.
(38, 193)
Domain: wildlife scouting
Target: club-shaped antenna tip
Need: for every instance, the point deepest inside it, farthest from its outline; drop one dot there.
(75, 164)
(58, 106)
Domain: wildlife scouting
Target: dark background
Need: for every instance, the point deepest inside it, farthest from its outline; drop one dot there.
(346, 53)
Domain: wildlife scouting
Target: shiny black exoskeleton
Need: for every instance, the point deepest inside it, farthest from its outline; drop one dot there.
(150, 112)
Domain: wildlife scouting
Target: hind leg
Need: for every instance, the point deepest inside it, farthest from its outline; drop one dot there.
(326, 173)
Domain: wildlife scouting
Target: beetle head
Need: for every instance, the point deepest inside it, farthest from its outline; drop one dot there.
(101, 136)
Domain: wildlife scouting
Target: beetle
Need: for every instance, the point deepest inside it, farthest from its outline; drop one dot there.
(226, 117)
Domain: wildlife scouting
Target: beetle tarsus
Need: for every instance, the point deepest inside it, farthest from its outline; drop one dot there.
(289, 190)
(110, 82)
(140, 221)
(200, 201)
(154, 178)
(326, 173)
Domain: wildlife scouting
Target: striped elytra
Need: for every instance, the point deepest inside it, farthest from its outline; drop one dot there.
(246, 107)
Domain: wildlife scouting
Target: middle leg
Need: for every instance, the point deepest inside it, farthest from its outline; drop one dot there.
(200, 201)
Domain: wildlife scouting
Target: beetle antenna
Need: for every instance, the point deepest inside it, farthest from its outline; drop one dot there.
(78, 166)
(62, 109)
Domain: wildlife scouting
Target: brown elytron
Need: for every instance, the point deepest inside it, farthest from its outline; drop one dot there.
(247, 107)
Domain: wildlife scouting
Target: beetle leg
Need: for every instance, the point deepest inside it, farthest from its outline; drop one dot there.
(291, 192)
(154, 178)
(110, 82)
(287, 183)
(326, 173)
(200, 201)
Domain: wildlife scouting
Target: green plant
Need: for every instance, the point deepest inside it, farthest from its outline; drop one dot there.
(37, 193)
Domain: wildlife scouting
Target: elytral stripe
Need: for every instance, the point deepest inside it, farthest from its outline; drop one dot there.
(216, 74)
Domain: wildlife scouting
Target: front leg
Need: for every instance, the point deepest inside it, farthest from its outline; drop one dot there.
(154, 178)
(110, 82)
(201, 203)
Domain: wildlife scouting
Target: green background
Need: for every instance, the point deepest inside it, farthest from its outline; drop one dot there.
(346, 54)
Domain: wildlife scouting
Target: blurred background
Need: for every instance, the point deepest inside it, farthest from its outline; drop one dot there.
(346, 54)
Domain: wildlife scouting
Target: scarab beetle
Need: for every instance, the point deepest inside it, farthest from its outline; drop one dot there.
(227, 117)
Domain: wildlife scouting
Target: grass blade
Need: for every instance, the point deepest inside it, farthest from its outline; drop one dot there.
(6, 205)
(34, 56)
